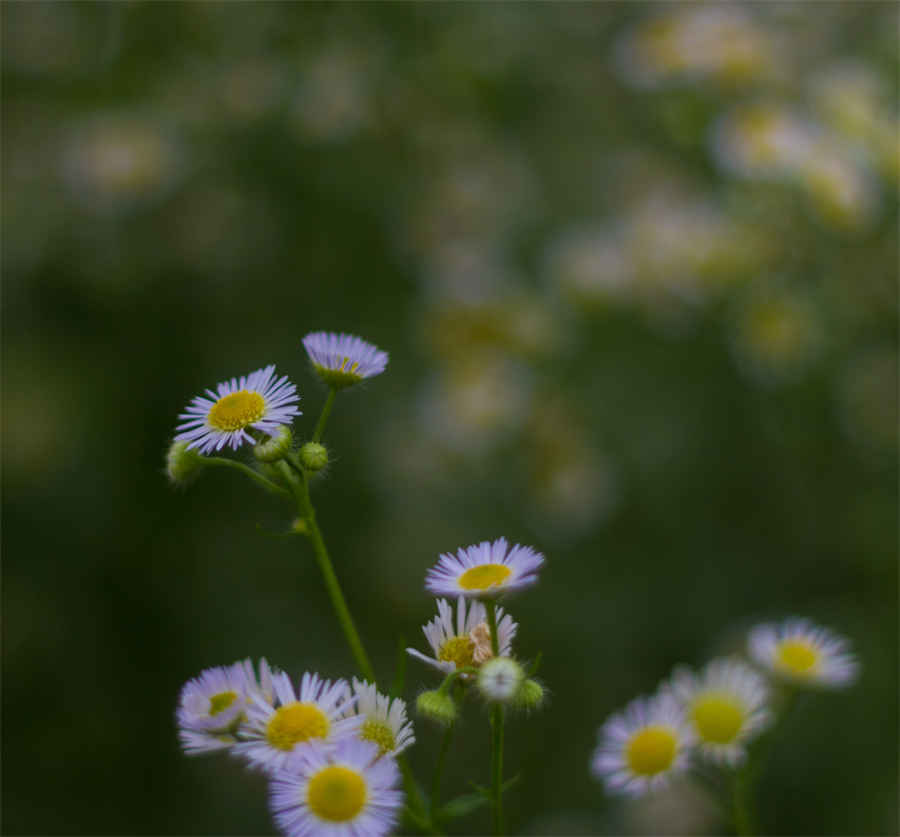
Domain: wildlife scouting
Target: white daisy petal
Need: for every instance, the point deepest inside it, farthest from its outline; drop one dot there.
(383, 720)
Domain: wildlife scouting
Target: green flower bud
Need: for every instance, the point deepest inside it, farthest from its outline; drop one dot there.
(275, 447)
(183, 464)
(530, 695)
(437, 707)
(313, 456)
(300, 526)
(499, 679)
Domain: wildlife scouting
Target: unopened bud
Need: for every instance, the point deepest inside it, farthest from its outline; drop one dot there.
(530, 695)
(437, 707)
(499, 679)
(183, 464)
(313, 456)
(275, 447)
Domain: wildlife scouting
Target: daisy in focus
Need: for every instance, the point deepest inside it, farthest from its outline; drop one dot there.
(272, 731)
(342, 360)
(803, 653)
(345, 792)
(642, 747)
(212, 705)
(484, 570)
(384, 721)
(467, 640)
(725, 705)
(258, 401)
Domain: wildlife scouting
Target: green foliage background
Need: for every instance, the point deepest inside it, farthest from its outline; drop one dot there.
(189, 188)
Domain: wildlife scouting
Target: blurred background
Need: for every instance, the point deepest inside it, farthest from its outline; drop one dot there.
(636, 267)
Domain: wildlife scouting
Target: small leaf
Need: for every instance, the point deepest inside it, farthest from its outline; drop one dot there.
(532, 669)
(463, 805)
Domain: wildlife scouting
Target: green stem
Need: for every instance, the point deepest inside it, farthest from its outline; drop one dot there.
(323, 416)
(496, 729)
(222, 462)
(439, 770)
(743, 808)
(331, 582)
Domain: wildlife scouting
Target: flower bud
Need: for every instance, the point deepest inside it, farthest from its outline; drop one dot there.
(300, 526)
(183, 464)
(437, 707)
(275, 447)
(499, 679)
(313, 456)
(530, 695)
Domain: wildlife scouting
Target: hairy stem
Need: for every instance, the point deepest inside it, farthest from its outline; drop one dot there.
(496, 729)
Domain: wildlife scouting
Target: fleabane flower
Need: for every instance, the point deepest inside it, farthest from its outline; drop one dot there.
(345, 791)
(465, 641)
(725, 705)
(484, 570)
(800, 652)
(342, 360)
(643, 746)
(272, 731)
(259, 401)
(213, 704)
(384, 721)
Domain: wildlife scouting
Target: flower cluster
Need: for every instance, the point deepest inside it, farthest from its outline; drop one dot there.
(328, 748)
(714, 715)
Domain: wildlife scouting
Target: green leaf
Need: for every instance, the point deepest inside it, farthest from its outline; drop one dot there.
(463, 805)
(532, 669)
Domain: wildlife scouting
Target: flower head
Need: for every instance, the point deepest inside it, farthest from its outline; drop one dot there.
(499, 679)
(643, 746)
(345, 791)
(212, 705)
(484, 570)
(725, 705)
(259, 401)
(272, 731)
(384, 720)
(342, 360)
(467, 641)
(803, 653)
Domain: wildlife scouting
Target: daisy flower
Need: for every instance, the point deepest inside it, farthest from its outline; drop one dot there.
(384, 720)
(467, 641)
(259, 401)
(725, 705)
(484, 570)
(643, 746)
(346, 791)
(272, 731)
(212, 705)
(341, 360)
(800, 652)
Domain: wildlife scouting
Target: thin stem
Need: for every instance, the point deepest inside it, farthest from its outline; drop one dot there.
(323, 416)
(331, 582)
(439, 770)
(496, 729)
(743, 808)
(222, 462)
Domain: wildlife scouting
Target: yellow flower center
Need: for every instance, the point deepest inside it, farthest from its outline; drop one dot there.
(221, 702)
(459, 650)
(718, 717)
(236, 411)
(484, 576)
(294, 723)
(797, 656)
(336, 794)
(379, 732)
(651, 750)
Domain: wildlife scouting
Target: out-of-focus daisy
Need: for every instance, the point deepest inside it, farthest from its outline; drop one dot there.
(384, 720)
(800, 652)
(341, 360)
(259, 401)
(345, 792)
(643, 746)
(725, 705)
(213, 704)
(484, 570)
(467, 642)
(270, 733)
